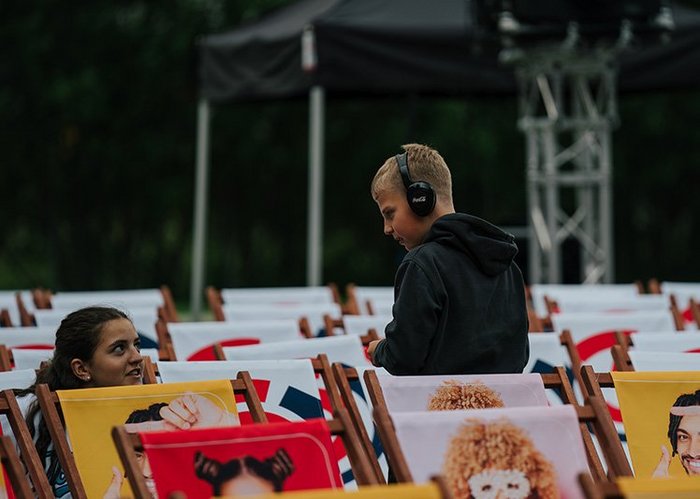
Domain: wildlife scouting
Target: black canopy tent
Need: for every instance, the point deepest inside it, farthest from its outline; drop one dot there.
(365, 47)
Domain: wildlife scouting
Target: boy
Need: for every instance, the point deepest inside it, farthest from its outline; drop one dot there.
(459, 298)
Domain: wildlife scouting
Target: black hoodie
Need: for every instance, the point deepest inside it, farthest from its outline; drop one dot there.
(459, 304)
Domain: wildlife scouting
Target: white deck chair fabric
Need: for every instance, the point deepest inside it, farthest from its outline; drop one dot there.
(665, 342)
(563, 291)
(359, 325)
(345, 349)
(664, 361)
(597, 304)
(17, 379)
(30, 358)
(277, 295)
(314, 312)
(414, 393)
(546, 353)
(379, 294)
(584, 324)
(28, 337)
(122, 299)
(195, 340)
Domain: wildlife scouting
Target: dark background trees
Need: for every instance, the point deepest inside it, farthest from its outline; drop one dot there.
(97, 112)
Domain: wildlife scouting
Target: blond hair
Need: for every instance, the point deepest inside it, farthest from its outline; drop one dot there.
(453, 395)
(424, 164)
(498, 446)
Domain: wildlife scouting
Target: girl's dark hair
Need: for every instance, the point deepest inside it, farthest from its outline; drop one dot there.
(77, 337)
(274, 469)
(685, 400)
(152, 413)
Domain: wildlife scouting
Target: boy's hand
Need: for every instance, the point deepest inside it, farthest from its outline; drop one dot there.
(370, 351)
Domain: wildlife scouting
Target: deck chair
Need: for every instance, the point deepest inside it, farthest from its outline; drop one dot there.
(346, 349)
(312, 312)
(648, 401)
(360, 298)
(270, 296)
(28, 455)
(195, 340)
(359, 325)
(13, 468)
(298, 439)
(581, 291)
(464, 441)
(54, 414)
(23, 358)
(392, 394)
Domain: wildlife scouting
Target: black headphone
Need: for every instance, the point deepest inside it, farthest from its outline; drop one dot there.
(420, 195)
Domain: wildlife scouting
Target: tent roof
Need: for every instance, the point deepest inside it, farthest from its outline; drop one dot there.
(401, 46)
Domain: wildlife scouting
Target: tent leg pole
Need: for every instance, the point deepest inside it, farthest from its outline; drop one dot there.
(315, 208)
(200, 209)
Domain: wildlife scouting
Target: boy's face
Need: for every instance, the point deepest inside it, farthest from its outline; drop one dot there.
(399, 221)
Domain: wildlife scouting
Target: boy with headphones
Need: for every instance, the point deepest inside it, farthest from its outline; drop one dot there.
(459, 298)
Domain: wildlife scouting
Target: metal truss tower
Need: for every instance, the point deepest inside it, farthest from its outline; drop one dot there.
(568, 107)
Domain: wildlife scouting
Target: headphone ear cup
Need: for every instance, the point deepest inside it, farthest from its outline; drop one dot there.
(421, 198)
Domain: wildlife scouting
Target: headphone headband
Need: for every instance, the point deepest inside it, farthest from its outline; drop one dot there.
(402, 161)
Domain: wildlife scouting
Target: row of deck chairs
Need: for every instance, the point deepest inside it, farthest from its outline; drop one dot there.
(583, 347)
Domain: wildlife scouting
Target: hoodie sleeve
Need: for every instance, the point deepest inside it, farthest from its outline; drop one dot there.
(416, 315)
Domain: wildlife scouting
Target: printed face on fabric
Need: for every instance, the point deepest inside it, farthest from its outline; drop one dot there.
(688, 443)
(399, 221)
(117, 360)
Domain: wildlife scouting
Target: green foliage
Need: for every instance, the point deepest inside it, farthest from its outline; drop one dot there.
(98, 107)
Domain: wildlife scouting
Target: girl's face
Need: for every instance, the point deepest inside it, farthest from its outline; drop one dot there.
(117, 360)
(246, 484)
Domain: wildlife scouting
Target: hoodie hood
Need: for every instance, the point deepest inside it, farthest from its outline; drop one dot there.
(488, 246)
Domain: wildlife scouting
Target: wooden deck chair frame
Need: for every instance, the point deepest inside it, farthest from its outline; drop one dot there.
(13, 468)
(678, 320)
(592, 412)
(51, 411)
(129, 443)
(621, 358)
(351, 304)
(5, 359)
(27, 451)
(598, 490)
(169, 304)
(695, 311)
(556, 380)
(5, 319)
(25, 318)
(215, 303)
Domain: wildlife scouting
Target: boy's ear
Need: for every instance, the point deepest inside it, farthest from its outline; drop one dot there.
(80, 369)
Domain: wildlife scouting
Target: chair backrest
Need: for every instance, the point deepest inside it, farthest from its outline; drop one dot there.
(17, 430)
(192, 461)
(28, 358)
(195, 340)
(360, 297)
(475, 448)
(278, 295)
(660, 411)
(359, 325)
(664, 361)
(582, 291)
(546, 353)
(345, 349)
(313, 312)
(598, 304)
(90, 414)
(28, 337)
